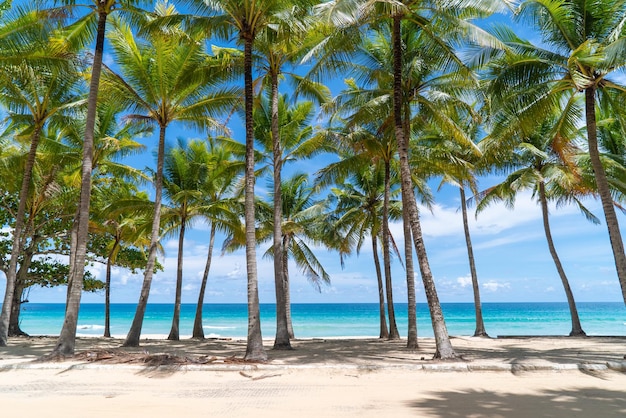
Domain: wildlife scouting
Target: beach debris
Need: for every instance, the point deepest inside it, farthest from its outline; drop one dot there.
(264, 376)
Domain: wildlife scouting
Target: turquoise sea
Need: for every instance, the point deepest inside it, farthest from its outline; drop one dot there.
(334, 320)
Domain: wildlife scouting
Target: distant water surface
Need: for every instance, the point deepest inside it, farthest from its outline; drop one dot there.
(334, 320)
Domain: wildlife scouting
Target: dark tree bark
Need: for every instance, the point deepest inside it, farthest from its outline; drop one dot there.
(393, 327)
(480, 324)
(132, 338)
(198, 330)
(577, 329)
(384, 332)
(411, 342)
(444, 348)
(174, 331)
(602, 184)
(67, 339)
(254, 347)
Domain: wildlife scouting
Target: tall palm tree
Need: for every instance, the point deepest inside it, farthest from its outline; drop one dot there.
(35, 94)
(439, 28)
(278, 45)
(176, 83)
(360, 199)
(218, 206)
(245, 18)
(582, 49)
(545, 162)
(76, 37)
(285, 135)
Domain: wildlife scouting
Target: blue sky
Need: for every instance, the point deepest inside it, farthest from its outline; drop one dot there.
(510, 248)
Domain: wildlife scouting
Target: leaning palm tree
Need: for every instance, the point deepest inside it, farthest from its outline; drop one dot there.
(545, 165)
(165, 77)
(35, 94)
(439, 26)
(582, 51)
(218, 206)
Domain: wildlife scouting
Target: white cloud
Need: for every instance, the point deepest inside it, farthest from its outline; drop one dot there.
(464, 281)
(494, 286)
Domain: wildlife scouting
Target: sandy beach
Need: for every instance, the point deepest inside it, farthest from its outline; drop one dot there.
(505, 377)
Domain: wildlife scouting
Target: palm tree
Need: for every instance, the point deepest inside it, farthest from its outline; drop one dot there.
(438, 27)
(545, 162)
(247, 19)
(35, 94)
(278, 44)
(291, 124)
(222, 171)
(582, 48)
(176, 83)
(360, 199)
(76, 37)
(189, 184)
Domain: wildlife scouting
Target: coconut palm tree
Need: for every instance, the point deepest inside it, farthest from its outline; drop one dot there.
(35, 94)
(545, 164)
(218, 205)
(189, 186)
(581, 51)
(291, 124)
(438, 28)
(76, 37)
(247, 19)
(165, 77)
(360, 199)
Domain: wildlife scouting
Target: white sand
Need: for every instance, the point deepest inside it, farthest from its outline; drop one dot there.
(538, 377)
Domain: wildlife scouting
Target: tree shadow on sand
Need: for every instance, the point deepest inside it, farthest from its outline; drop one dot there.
(580, 402)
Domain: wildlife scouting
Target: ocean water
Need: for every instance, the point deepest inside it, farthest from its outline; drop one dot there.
(334, 320)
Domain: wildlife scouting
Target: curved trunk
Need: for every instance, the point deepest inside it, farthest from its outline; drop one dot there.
(132, 338)
(384, 332)
(107, 291)
(480, 324)
(410, 286)
(444, 348)
(286, 244)
(14, 322)
(393, 327)
(174, 331)
(67, 338)
(16, 249)
(577, 329)
(281, 342)
(602, 183)
(254, 346)
(198, 331)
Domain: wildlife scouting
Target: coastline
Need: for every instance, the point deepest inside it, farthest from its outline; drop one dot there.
(330, 377)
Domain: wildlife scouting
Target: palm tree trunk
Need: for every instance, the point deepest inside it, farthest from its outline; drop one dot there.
(198, 330)
(132, 338)
(16, 249)
(411, 343)
(254, 346)
(174, 331)
(603, 189)
(107, 292)
(20, 282)
(384, 332)
(286, 243)
(393, 327)
(67, 338)
(480, 324)
(444, 348)
(281, 342)
(577, 329)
